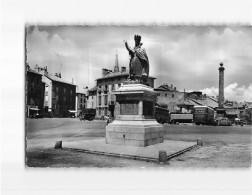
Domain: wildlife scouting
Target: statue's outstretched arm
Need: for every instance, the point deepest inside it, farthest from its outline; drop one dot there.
(128, 48)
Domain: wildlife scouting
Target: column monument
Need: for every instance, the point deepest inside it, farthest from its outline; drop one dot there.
(221, 85)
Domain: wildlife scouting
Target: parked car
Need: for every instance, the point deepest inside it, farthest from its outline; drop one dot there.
(238, 121)
(39, 115)
(224, 122)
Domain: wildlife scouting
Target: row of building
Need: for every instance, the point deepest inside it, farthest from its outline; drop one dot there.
(52, 96)
(102, 99)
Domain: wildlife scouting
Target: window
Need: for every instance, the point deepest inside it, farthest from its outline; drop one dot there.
(105, 99)
(166, 95)
(172, 95)
(99, 100)
(113, 87)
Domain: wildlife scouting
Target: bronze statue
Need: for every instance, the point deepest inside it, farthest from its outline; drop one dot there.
(139, 63)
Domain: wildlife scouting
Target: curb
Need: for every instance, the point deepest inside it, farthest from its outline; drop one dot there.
(132, 157)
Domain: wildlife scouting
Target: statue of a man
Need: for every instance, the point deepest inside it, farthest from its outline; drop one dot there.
(139, 63)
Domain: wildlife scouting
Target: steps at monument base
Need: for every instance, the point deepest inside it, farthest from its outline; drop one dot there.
(132, 142)
(136, 133)
(134, 136)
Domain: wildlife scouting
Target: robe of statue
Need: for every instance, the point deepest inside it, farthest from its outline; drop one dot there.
(139, 63)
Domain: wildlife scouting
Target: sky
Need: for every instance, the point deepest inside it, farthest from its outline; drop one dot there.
(187, 57)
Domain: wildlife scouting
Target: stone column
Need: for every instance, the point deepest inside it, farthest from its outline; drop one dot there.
(221, 85)
(140, 108)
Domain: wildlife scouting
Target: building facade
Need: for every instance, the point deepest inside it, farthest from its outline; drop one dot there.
(59, 95)
(170, 97)
(80, 101)
(109, 82)
(35, 89)
(63, 98)
(92, 97)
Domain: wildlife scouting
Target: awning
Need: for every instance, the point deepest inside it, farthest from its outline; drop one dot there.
(72, 111)
(34, 109)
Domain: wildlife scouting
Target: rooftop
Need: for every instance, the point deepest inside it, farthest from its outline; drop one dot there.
(165, 87)
(57, 79)
(186, 102)
(93, 89)
(81, 91)
(232, 112)
(118, 74)
(205, 102)
(33, 71)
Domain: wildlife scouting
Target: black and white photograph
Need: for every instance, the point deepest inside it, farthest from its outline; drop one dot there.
(126, 97)
(138, 96)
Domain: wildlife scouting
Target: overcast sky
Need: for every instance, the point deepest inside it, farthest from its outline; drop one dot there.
(186, 56)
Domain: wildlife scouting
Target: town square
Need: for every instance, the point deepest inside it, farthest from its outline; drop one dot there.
(126, 97)
(126, 111)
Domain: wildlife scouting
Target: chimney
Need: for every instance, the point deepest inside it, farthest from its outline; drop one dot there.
(123, 69)
(221, 85)
(175, 88)
(59, 75)
(171, 86)
(36, 68)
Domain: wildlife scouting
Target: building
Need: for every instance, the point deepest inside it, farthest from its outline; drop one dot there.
(35, 89)
(200, 99)
(80, 101)
(91, 98)
(110, 81)
(59, 96)
(169, 96)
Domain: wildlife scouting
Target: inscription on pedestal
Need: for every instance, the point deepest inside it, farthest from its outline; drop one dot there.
(129, 109)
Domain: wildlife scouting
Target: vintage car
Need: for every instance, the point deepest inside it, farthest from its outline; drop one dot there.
(224, 122)
(38, 115)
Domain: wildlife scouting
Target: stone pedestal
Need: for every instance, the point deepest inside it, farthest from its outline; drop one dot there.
(136, 124)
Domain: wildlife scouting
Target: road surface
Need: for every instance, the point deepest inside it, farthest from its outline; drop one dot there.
(224, 146)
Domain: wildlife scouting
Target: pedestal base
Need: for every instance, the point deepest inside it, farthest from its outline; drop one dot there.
(134, 133)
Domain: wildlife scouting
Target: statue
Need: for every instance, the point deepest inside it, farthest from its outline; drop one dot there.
(139, 63)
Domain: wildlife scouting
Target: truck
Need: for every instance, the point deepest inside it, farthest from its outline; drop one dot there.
(181, 118)
(88, 114)
(204, 115)
(162, 115)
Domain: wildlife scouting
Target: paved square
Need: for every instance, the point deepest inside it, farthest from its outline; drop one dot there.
(99, 145)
